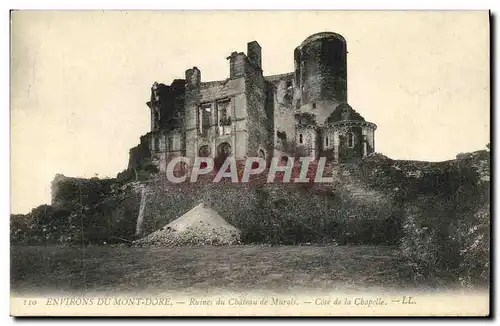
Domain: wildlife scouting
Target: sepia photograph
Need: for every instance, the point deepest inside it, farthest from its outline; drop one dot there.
(250, 163)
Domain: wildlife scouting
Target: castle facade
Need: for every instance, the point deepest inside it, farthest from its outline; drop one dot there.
(300, 113)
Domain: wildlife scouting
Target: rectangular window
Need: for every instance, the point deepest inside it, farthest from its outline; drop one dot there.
(170, 143)
(350, 140)
(224, 117)
(204, 114)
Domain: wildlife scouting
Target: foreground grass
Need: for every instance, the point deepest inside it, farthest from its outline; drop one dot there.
(56, 269)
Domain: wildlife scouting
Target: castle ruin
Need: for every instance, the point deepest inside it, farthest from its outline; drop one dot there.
(300, 113)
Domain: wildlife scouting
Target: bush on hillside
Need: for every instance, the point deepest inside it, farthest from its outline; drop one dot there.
(44, 224)
(446, 225)
(279, 213)
(111, 219)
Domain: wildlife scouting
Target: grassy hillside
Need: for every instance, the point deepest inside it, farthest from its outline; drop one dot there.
(278, 213)
(58, 270)
(438, 213)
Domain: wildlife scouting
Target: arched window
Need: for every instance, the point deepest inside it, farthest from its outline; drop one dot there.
(345, 114)
(204, 151)
(326, 141)
(224, 149)
(350, 140)
(262, 154)
(301, 140)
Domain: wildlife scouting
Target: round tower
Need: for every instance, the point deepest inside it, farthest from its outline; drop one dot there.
(321, 71)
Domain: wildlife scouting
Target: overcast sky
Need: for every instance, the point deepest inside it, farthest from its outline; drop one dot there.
(80, 80)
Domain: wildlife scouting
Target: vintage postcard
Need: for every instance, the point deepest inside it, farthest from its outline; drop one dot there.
(250, 163)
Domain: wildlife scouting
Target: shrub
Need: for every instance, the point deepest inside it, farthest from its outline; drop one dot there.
(473, 237)
(446, 225)
(97, 218)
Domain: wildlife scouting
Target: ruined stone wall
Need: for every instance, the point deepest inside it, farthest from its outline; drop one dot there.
(237, 62)
(258, 123)
(172, 105)
(306, 141)
(167, 120)
(191, 102)
(208, 94)
(232, 90)
(282, 88)
(139, 154)
(370, 139)
(321, 110)
(69, 192)
(171, 145)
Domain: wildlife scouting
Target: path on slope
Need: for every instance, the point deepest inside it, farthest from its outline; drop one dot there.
(354, 186)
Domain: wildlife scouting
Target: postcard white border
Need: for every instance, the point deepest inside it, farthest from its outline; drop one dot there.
(215, 4)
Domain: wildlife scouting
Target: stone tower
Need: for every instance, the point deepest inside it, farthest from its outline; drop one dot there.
(325, 124)
(321, 73)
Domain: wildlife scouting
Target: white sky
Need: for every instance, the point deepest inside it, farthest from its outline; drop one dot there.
(80, 80)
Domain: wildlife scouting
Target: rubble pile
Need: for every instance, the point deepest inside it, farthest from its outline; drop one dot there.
(198, 227)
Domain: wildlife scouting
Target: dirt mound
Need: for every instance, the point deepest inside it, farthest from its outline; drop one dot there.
(200, 226)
